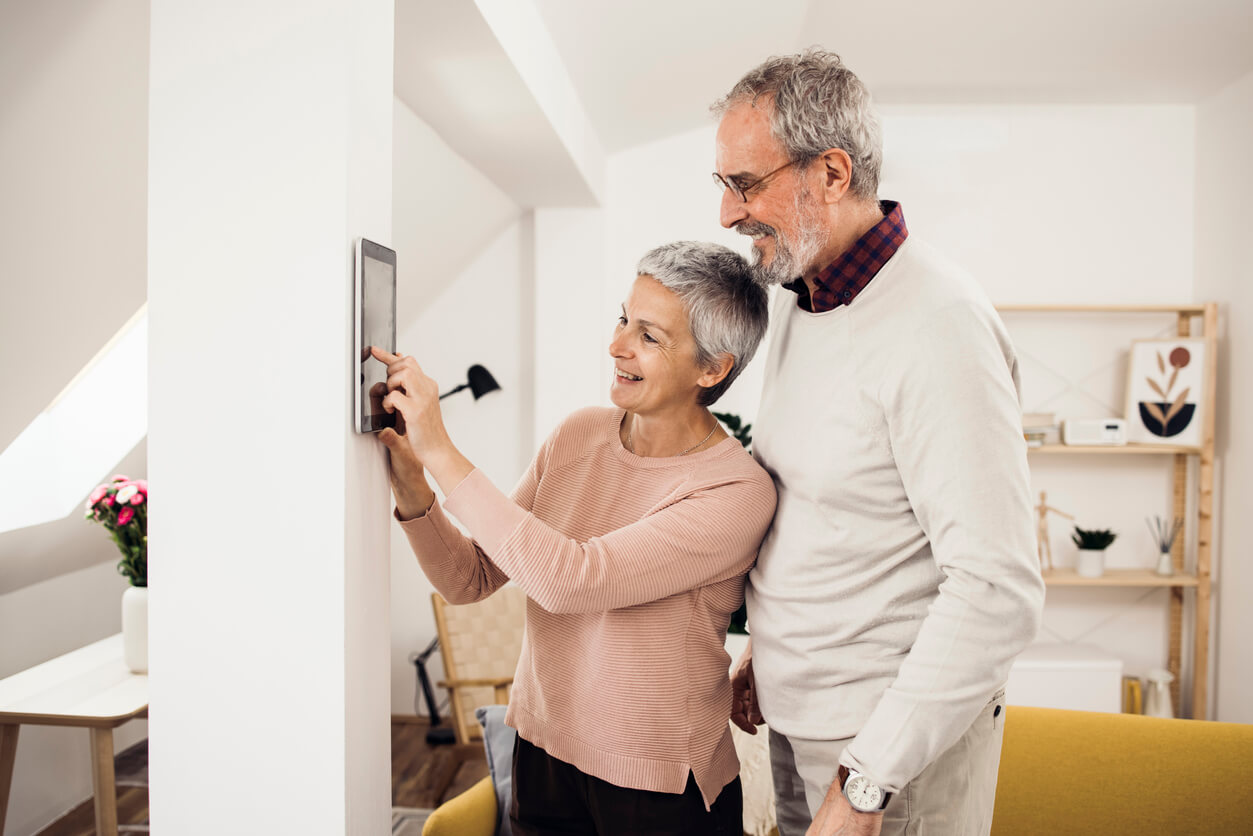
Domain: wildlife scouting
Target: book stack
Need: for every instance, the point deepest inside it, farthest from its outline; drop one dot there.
(1040, 428)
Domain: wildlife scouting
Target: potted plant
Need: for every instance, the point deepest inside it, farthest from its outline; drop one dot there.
(121, 506)
(1092, 544)
(740, 431)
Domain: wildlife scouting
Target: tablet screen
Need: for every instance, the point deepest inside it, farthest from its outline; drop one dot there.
(376, 326)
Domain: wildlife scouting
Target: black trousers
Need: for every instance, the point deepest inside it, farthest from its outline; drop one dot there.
(552, 796)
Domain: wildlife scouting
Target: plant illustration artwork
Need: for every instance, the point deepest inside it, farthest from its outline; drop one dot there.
(1166, 391)
(1173, 413)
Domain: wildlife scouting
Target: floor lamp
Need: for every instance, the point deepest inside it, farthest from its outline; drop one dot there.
(436, 734)
(479, 381)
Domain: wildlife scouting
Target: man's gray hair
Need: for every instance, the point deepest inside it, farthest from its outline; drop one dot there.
(726, 309)
(818, 104)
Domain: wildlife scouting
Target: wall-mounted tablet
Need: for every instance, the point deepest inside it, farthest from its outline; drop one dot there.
(374, 324)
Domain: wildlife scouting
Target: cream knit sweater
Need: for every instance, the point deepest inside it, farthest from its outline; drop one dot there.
(899, 579)
(632, 568)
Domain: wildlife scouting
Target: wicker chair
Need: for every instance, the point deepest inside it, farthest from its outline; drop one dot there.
(480, 644)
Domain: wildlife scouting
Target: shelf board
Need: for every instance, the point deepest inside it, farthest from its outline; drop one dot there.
(1117, 577)
(1190, 309)
(1124, 449)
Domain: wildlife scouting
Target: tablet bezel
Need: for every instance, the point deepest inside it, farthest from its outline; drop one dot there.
(367, 422)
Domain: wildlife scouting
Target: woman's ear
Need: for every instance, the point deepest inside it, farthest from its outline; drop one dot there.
(722, 365)
(837, 174)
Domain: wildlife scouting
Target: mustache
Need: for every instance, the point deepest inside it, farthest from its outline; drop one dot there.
(752, 228)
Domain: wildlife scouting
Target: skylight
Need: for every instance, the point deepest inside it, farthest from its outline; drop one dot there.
(51, 467)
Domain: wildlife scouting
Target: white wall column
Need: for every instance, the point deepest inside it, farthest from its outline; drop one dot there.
(1223, 178)
(270, 142)
(573, 320)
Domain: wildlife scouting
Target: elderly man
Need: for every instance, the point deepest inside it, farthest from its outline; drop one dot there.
(899, 579)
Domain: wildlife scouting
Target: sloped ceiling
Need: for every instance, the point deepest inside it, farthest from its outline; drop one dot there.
(73, 205)
(650, 68)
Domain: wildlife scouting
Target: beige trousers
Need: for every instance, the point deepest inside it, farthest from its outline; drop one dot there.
(953, 796)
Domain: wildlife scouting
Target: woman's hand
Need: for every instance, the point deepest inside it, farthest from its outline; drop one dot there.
(413, 493)
(420, 439)
(414, 398)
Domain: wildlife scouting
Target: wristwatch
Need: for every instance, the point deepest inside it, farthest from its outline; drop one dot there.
(864, 796)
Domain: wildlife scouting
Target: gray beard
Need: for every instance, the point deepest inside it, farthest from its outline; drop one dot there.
(790, 260)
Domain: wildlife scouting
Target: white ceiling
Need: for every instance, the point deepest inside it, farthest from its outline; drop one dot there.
(452, 71)
(647, 69)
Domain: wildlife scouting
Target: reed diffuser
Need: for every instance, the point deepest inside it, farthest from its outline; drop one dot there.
(1164, 533)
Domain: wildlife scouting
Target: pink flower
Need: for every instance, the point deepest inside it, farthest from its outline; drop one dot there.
(125, 515)
(97, 495)
(120, 478)
(137, 499)
(107, 502)
(143, 485)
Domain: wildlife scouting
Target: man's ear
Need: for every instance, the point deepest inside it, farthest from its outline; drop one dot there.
(837, 172)
(722, 365)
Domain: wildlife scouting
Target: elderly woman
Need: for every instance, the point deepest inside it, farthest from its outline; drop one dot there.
(631, 534)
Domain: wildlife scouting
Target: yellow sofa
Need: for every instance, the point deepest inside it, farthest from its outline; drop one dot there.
(1082, 772)
(1066, 772)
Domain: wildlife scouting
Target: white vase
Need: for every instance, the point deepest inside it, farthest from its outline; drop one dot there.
(135, 628)
(1157, 702)
(1091, 563)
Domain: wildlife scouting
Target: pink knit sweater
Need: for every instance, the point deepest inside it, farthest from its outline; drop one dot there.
(632, 568)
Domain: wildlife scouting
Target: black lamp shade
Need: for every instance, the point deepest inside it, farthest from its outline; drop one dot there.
(481, 381)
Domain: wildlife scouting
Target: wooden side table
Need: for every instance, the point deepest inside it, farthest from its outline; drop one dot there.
(90, 688)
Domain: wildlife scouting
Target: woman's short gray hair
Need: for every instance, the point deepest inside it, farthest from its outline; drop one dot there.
(726, 309)
(818, 104)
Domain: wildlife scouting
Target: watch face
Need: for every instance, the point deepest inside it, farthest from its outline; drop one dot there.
(863, 795)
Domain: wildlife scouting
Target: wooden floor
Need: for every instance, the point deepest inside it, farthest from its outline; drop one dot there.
(425, 775)
(422, 776)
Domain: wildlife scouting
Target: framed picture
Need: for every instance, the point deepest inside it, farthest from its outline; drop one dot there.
(1165, 391)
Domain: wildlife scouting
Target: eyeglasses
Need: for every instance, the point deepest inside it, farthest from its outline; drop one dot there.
(741, 192)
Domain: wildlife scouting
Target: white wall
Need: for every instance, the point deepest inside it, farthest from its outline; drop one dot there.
(481, 316)
(465, 261)
(1223, 218)
(444, 212)
(1041, 204)
(270, 151)
(572, 320)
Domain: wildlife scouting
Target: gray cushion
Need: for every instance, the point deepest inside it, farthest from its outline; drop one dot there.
(498, 740)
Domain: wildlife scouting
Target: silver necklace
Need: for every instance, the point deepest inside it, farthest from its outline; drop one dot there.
(631, 433)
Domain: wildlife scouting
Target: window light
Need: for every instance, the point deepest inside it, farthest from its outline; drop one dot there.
(70, 447)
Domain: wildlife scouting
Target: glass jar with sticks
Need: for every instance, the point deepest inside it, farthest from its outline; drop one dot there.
(1164, 533)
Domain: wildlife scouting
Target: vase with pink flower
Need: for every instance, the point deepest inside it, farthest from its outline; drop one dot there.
(121, 506)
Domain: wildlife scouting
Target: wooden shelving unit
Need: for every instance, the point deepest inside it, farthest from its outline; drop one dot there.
(1200, 519)
(1124, 449)
(1118, 577)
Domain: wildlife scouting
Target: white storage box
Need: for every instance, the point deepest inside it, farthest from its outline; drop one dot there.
(1075, 676)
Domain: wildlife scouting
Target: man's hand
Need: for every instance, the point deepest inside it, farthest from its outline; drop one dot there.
(836, 816)
(744, 710)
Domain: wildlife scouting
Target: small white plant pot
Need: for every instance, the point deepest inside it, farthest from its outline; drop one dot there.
(1165, 564)
(1091, 563)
